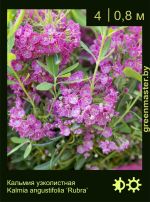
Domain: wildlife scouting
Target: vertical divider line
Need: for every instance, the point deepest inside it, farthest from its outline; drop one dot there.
(108, 14)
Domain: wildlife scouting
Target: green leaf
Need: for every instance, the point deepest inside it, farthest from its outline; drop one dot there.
(80, 161)
(42, 64)
(10, 43)
(15, 149)
(129, 72)
(69, 69)
(120, 83)
(132, 85)
(44, 86)
(137, 115)
(48, 143)
(110, 30)
(10, 57)
(98, 127)
(124, 128)
(52, 67)
(10, 15)
(18, 22)
(9, 82)
(27, 151)
(10, 71)
(138, 93)
(64, 75)
(44, 67)
(43, 166)
(79, 17)
(17, 160)
(48, 17)
(84, 46)
(101, 29)
(57, 59)
(74, 81)
(66, 156)
(106, 47)
(18, 140)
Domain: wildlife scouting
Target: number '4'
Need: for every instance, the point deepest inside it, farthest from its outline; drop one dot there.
(98, 16)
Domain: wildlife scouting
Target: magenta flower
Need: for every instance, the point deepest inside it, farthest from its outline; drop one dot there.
(107, 132)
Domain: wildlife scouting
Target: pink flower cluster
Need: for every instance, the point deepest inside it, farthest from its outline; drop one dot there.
(103, 140)
(76, 103)
(109, 146)
(125, 43)
(29, 126)
(61, 38)
(35, 75)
